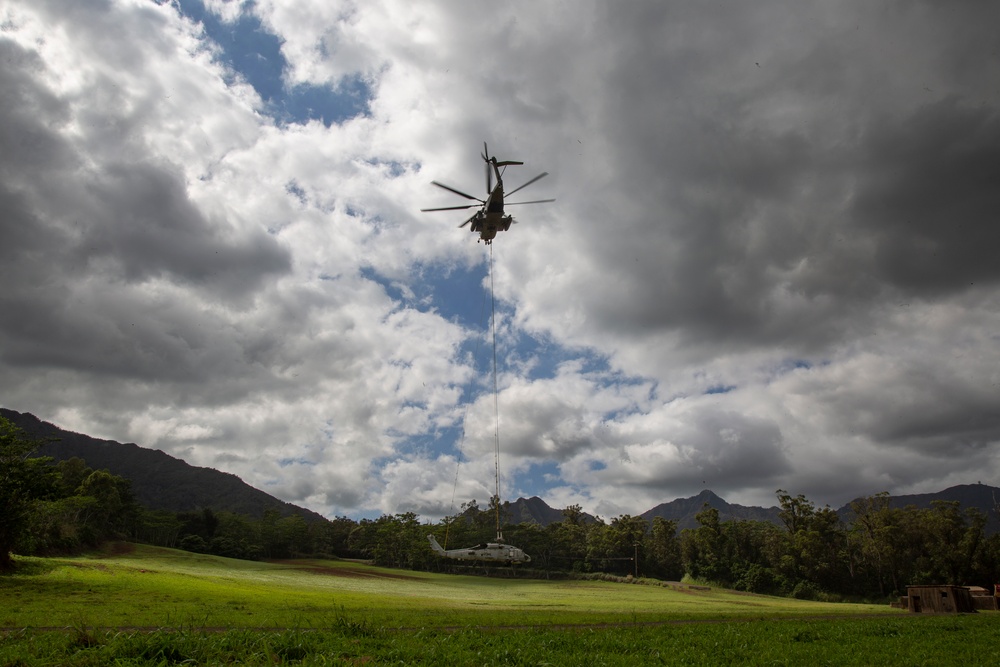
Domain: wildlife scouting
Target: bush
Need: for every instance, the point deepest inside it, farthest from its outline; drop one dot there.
(194, 543)
(805, 590)
(756, 579)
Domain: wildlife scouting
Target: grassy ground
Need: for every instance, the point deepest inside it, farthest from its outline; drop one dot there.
(153, 587)
(883, 641)
(162, 607)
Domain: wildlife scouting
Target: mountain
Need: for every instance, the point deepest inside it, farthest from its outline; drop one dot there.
(159, 481)
(683, 511)
(981, 496)
(536, 510)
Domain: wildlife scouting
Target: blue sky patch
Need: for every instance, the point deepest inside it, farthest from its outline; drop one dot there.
(285, 462)
(535, 481)
(457, 294)
(255, 54)
(392, 290)
(394, 169)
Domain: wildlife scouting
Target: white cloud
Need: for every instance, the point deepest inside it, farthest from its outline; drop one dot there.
(769, 262)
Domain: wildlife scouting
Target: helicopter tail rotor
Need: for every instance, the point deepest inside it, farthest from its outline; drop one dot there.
(492, 160)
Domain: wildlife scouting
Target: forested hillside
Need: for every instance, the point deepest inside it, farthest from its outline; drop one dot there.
(159, 481)
(872, 549)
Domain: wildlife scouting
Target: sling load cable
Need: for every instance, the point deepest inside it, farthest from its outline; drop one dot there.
(458, 462)
(496, 399)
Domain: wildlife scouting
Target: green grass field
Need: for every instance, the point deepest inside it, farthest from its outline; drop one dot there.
(154, 587)
(159, 606)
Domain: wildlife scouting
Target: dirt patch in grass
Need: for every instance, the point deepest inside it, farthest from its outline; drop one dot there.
(112, 549)
(100, 567)
(351, 573)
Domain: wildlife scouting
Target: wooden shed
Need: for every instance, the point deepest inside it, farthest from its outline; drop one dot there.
(939, 600)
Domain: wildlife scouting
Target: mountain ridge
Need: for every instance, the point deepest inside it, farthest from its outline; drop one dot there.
(161, 481)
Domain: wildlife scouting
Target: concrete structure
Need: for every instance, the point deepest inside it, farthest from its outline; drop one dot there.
(939, 600)
(982, 599)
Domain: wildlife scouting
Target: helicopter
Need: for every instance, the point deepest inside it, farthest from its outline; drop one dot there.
(490, 219)
(491, 551)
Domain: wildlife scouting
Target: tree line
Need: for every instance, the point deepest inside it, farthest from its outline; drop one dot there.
(65, 507)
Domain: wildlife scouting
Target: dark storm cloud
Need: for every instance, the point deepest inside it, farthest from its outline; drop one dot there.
(147, 227)
(792, 184)
(704, 218)
(928, 197)
(28, 112)
(708, 447)
(726, 449)
(938, 405)
(776, 191)
(84, 235)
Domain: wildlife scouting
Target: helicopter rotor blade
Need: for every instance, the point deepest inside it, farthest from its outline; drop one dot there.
(537, 201)
(540, 176)
(468, 221)
(448, 208)
(489, 179)
(457, 192)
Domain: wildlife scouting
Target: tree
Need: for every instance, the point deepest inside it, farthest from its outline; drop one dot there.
(203, 523)
(398, 541)
(331, 537)
(72, 472)
(615, 546)
(534, 540)
(703, 549)
(877, 530)
(236, 536)
(270, 535)
(159, 527)
(753, 550)
(570, 537)
(23, 481)
(663, 550)
(114, 504)
(949, 541)
(816, 543)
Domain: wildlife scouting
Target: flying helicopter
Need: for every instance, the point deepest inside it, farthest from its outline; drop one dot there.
(490, 218)
(491, 551)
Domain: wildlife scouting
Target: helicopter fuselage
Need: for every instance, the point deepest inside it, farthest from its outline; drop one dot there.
(491, 551)
(491, 218)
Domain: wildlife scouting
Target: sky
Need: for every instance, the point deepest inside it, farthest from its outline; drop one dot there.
(772, 262)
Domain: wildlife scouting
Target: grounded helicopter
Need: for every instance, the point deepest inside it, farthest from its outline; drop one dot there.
(490, 219)
(491, 551)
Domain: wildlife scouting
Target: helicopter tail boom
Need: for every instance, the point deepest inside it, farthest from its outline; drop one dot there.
(435, 547)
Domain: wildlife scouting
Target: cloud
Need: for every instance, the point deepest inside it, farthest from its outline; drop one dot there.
(925, 201)
(768, 266)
